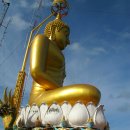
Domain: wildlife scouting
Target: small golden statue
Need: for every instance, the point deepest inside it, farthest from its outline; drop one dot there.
(47, 66)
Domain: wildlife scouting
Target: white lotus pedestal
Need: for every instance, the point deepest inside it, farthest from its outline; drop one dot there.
(40, 128)
(65, 117)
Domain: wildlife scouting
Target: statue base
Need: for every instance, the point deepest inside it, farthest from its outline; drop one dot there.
(55, 128)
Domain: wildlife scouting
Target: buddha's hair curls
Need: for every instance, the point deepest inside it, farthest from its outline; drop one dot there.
(55, 24)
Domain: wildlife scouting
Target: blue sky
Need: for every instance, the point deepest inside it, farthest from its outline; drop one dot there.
(98, 54)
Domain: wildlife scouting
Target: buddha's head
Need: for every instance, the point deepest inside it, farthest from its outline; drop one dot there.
(58, 32)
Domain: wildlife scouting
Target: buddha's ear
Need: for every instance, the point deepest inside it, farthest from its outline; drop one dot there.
(52, 34)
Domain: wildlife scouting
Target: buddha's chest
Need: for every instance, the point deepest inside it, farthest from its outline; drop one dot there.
(55, 58)
(55, 68)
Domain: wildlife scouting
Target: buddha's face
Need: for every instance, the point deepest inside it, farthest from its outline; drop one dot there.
(62, 38)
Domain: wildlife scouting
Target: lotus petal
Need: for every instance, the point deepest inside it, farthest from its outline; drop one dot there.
(66, 107)
(43, 110)
(20, 122)
(91, 109)
(78, 115)
(27, 111)
(53, 115)
(99, 118)
(64, 123)
(33, 116)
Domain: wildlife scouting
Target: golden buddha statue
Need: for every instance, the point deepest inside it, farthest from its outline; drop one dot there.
(47, 66)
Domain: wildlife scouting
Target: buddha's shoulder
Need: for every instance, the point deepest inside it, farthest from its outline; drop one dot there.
(41, 38)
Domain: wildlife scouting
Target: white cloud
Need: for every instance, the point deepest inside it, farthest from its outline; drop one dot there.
(47, 3)
(21, 4)
(19, 23)
(34, 5)
(98, 50)
(44, 3)
(24, 4)
(6, 1)
(121, 35)
(76, 47)
(125, 34)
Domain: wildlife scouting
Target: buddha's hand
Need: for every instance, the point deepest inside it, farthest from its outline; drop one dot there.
(7, 110)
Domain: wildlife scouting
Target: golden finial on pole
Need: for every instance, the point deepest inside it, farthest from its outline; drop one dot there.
(60, 7)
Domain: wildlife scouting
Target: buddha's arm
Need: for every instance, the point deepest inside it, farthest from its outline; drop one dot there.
(38, 61)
